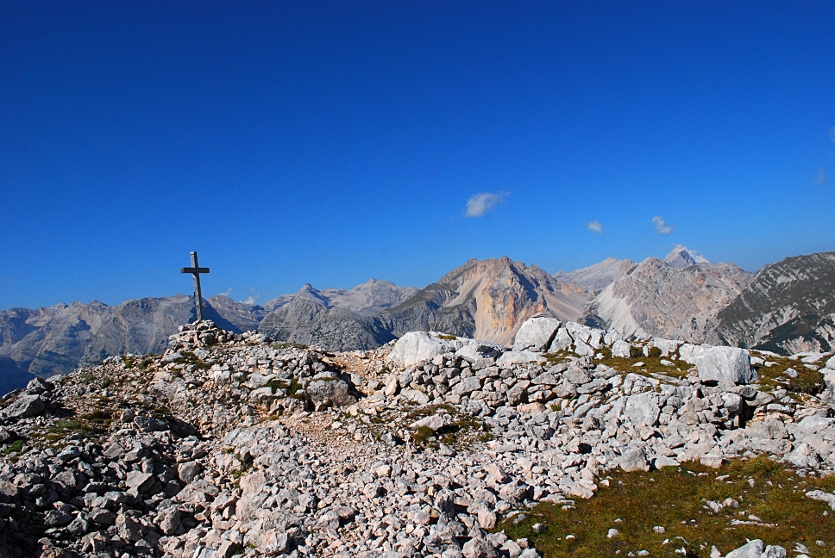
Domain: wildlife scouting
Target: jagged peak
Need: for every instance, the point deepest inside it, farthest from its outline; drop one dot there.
(681, 256)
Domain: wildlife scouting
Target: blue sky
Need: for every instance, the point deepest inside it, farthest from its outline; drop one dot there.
(330, 142)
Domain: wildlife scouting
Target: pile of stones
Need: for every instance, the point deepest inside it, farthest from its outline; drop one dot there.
(234, 445)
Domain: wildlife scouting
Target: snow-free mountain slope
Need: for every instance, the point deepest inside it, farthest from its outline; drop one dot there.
(594, 277)
(367, 299)
(491, 298)
(788, 307)
(655, 299)
(55, 340)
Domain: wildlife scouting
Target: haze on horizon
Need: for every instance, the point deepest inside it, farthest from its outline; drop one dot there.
(295, 143)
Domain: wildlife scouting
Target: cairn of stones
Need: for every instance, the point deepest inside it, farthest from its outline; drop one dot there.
(235, 445)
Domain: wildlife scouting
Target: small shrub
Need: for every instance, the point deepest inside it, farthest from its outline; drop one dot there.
(276, 384)
(447, 337)
(422, 434)
(654, 352)
(636, 352)
(293, 389)
(14, 447)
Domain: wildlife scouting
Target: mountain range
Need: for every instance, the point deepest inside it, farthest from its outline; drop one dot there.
(785, 307)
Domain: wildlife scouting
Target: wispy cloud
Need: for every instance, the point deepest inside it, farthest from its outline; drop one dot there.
(661, 226)
(832, 133)
(480, 204)
(252, 298)
(821, 177)
(595, 227)
(226, 293)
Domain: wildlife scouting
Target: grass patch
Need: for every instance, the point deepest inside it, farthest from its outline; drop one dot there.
(282, 346)
(294, 388)
(559, 356)
(676, 498)
(421, 435)
(65, 426)
(447, 337)
(652, 365)
(14, 447)
(808, 381)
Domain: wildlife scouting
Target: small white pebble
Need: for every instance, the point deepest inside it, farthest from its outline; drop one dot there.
(612, 533)
(659, 529)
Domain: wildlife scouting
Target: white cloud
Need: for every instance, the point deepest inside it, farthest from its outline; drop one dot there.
(226, 293)
(480, 204)
(821, 177)
(595, 227)
(832, 133)
(252, 298)
(661, 225)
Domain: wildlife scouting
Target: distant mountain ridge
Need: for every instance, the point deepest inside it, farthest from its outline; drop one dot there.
(595, 277)
(655, 299)
(788, 307)
(785, 307)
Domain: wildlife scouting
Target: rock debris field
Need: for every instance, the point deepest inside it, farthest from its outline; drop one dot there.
(233, 445)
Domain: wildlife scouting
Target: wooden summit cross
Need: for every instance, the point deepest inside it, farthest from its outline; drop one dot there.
(195, 270)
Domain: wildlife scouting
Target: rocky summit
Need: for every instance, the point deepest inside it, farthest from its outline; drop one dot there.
(234, 445)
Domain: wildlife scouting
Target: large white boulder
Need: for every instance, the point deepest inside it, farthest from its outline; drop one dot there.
(416, 346)
(831, 363)
(724, 365)
(536, 333)
(588, 335)
(580, 338)
(561, 341)
(621, 349)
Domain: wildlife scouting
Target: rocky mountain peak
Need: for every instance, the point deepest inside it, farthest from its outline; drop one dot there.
(681, 257)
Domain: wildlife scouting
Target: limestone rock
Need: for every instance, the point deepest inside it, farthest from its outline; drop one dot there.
(333, 391)
(536, 333)
(724, 365)
(417, 346)
(25, 406)
(621, 349)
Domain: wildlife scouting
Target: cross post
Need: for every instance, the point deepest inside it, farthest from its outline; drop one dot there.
(195, 271)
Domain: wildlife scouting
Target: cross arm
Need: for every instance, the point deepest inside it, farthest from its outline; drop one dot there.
(194, 270)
